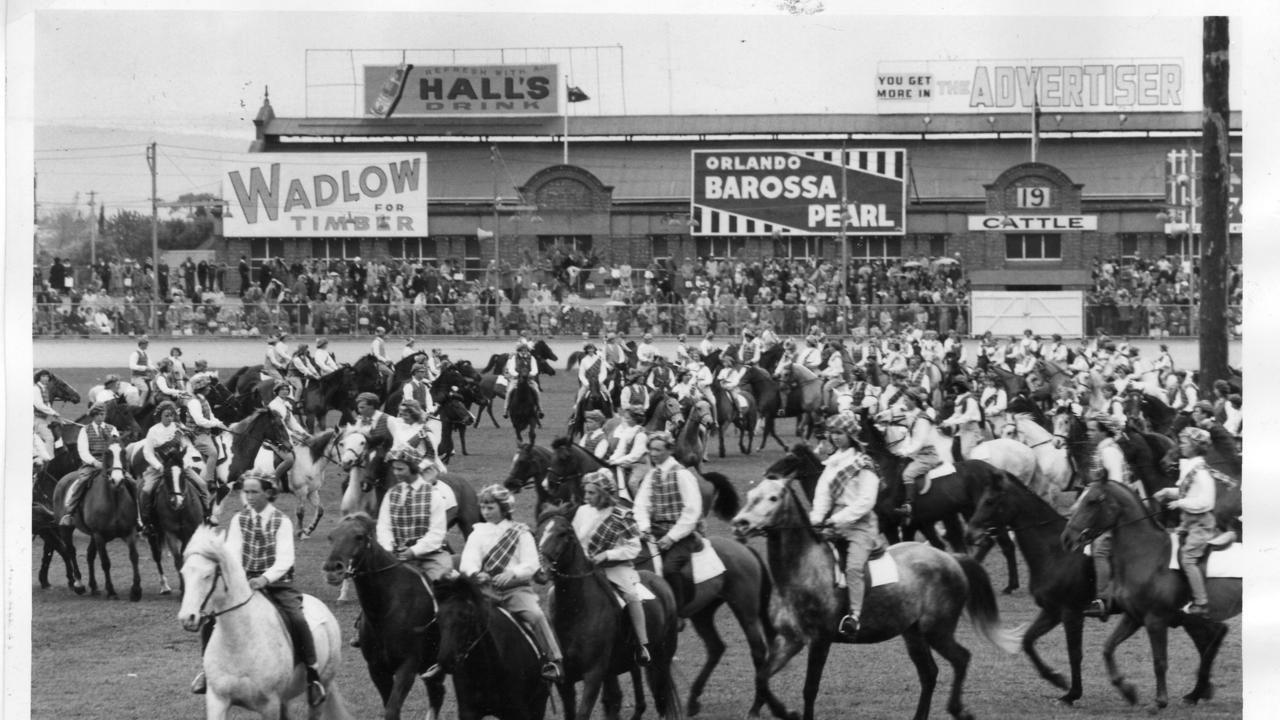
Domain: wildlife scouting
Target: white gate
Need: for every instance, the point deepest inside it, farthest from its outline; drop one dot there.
(1044, 313)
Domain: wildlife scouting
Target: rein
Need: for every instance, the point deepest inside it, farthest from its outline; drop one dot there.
(208, 616)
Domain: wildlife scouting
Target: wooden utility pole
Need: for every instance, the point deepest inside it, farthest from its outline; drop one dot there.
(1215, 176)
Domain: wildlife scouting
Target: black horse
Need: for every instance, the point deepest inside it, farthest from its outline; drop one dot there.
(540, 351)
(594, 399)
(1062, 582)
(335, 391)
(522, 407)
(496, 669)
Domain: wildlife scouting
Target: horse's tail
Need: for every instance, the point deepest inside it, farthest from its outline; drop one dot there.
(984, 613)
(666, 697)
(334, 707)
(725, 502)
(572, 362)
(492, 367)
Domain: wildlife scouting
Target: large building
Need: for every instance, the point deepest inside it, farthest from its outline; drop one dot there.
(635, 188)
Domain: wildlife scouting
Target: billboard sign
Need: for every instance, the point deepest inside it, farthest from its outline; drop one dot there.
(326, 195)
(471, 90)
(1184, 197)
(798, 192)
(1001, 86)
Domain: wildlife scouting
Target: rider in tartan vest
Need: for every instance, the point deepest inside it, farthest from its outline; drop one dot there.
(413, 519)
(92, 445)
(668, 510)
(522, 364)
(502, 553)
(264, 538)
(844, 508)
(419, 389)
(611, 538)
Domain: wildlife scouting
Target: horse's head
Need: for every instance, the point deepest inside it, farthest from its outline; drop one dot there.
(1067, 426)
(121, 416)
(60, 391)
(765, 508)
(527, 467)
(463, 618)
(352, 540)
(178, 457)
(701, 412)
(559, 549)
(454, 410)
(467, 370)
(113, 463)
(543, 351)
(568, 464)
(352, 446)
(1097, 511)
(995, 511)
(202, 567)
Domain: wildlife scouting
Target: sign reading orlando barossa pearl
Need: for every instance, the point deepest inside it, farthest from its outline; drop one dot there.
(798, 192)
(424, 90)
(326, 195)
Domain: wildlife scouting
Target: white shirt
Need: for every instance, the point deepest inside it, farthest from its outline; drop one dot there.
(196, 411)
(157, 436)
(706, 347)
(378, 348)
(135, 363)
(585, 522)
(407, 351)
(835, 366)
(645, 352)
(631, 446)
(407, 392)
(690, 499)
(729, 377)
(584, 368)
(701, 375)
(82, 444)
(324, 360)
(38, 401)
(284, 540)
(433, 540)
(523, 564)
(284, 411)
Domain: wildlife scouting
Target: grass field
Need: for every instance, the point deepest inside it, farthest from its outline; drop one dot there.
(93, 658)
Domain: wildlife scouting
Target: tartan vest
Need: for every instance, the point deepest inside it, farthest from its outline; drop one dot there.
(142, 360)
(640, 395)
(410, 513)
(258, 551)
(98, 439)
(524, 365)
(665, 503)
(661, 376)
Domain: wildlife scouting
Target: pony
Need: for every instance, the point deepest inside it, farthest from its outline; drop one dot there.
(523, 409)
(249, 661)
(369, 376)
(454, 418)
(664, 414)
(1053, 467)
(109, 510)
(924, 606)
(178, 508)
(1150, 594)
(398, 633)
(594, 399)
(540, 351)
(253, 444)
(310, 461)
(806, 389)
(60, 391)
(596, 635)
(529, 467)
(764, 389)
(496, 669)
(744, 587)
(1075, 441)
(1062, 582)
(1154, 412)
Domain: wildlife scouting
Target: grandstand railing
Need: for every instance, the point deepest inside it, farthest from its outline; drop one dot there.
(594, 318)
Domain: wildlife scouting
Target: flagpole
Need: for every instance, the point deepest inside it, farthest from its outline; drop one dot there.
(1035, 124)
(566, 120)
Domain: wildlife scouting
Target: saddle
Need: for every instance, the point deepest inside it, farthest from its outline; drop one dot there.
(881, 569)
(1229, 559)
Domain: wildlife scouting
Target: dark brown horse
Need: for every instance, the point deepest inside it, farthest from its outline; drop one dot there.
(108, 511)
(398, 634)
(1147, 591)
(178, 509)
(1062, 582)
(924, 606)
(496, 670)
(596, 635)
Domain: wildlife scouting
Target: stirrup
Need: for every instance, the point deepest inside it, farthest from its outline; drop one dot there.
(431, 672)
(1099, 608)
(199, 686)
(849, 626)
(316, 694)
(642, 654)
(551, 671)
(1196, 609)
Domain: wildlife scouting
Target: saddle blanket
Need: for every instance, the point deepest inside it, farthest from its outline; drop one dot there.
(945, 468)
(501, 380)
(880, 571)
(642, 591)
(742, 402)
(1228, 563)
(706, 563)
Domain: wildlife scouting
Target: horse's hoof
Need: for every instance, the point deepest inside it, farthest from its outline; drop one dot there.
(78, 589)
(1059, 682)
(304, 536)
(1067, 700)
(695, 707)
(163, 591)
(1009, 590)
(1128, 691)
(45, 586)
(135, 595)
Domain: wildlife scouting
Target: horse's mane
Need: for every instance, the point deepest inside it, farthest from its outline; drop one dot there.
(209, 542)
(363, 518)
(1128, 496)
(561, 442)
(317, 443)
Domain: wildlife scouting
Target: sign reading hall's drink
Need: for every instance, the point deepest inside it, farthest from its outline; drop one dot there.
(462, 90)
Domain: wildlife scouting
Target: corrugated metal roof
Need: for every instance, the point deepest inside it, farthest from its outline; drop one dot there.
(666, 125)
(1001, 278)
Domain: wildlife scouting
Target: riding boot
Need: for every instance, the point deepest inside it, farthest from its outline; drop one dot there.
(199, 685)
(144, 509)
(1101, 606)
(909, 501)
(73, 503)
(635, 609)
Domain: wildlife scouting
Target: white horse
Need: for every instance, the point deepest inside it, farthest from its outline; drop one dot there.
(1006, 454)
(1053, 470)
(310, 461)
(249, 662)
(125, 390)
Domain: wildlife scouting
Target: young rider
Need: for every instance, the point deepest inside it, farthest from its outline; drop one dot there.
(844, 507)
(522, 364)
(1195, 495)
(918, 445)
(611, 539)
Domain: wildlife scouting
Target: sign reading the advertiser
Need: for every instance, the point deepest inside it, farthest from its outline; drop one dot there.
(326, 195)
(798, 192)
(420, 90)
(993, 86)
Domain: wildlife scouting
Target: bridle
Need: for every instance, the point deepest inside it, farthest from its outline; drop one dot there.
(213, 586)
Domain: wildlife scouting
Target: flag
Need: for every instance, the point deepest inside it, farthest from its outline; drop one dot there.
(576, 94)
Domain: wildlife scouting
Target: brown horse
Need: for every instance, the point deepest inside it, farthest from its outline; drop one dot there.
(1147, 591)
(108, 511)
(923, 606)
(691, 440)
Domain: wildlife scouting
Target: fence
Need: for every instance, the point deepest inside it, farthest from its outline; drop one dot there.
(113, 317)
